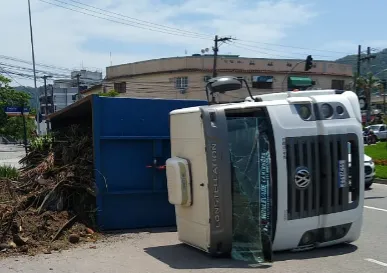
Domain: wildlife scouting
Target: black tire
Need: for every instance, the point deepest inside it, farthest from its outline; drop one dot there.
(368, 186)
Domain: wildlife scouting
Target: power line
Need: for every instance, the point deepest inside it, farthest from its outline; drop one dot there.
(21, 85)
(281, 51)
(168, 30)
(38, 64)
(17, 74)
(31, 70)
(122, 22)
(1, 68)
(296, 47)
(262, 52)
(158, 26)
(143, 22)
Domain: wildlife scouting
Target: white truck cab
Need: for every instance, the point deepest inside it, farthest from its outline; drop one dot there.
(268, 174)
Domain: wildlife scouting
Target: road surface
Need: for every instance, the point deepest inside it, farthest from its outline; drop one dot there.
(162, 253)
(11, 154)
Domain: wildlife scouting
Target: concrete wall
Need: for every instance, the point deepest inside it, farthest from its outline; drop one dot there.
(162, 85)
(224, 63)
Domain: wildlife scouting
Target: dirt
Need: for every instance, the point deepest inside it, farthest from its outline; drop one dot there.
(51, 205)
(36, 232)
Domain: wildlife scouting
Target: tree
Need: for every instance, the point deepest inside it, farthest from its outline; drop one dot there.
(368, 83)
(13, 126)
(111, 93)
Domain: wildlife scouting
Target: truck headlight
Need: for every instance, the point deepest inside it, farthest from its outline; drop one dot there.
(327, 110)
(304, 110)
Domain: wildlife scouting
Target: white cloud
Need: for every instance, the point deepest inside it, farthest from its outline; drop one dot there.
(59, 34)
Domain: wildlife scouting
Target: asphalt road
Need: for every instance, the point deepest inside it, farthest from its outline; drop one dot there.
(161, 252)
(11, 154)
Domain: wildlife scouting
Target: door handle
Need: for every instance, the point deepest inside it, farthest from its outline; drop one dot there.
(158, 167)
(161, 167)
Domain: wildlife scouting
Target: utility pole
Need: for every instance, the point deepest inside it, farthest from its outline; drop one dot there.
(33, 65)
(357, 68)
(367, 58)
(24, 129)
(78, 83)
(52, 98)
(360, 59)
(216, 49)
(46, 100)
(384, 84)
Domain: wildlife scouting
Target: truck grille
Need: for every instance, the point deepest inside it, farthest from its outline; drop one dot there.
(317, 169)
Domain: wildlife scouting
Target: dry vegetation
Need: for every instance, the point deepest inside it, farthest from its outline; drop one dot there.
(52, 203)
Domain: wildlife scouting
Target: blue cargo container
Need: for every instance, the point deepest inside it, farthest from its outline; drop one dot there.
(131, 144)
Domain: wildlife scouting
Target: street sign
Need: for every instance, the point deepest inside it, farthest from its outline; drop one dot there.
(16, 110)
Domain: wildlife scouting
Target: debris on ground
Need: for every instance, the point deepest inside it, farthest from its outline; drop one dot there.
(52, 205)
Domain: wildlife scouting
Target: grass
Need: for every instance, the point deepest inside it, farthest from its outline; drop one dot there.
(378, 152)
(381, 172)
(9, 172)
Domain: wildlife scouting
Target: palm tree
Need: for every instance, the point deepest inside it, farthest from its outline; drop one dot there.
(368, 83)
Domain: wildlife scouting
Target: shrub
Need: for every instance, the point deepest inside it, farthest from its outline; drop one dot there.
(9, 172)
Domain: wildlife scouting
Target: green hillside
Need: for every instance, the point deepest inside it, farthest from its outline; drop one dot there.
(377, 64)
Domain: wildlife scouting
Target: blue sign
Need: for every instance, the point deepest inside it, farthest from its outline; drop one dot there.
(16, 110)
(342, 174)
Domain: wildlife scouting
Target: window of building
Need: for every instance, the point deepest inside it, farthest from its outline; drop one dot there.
(120, 87)
(262, 82)
(338, 84)
(181, 82)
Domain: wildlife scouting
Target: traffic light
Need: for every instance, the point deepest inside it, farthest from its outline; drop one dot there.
(308, 63)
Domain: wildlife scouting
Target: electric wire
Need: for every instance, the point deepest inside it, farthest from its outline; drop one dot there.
(122, 22)
(143, 22)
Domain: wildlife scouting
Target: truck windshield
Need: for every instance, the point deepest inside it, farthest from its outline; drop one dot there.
(250, 159)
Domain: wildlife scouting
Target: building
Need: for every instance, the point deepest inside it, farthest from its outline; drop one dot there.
(96, 89)
(87, 78)
(186, 77)
(64, 92)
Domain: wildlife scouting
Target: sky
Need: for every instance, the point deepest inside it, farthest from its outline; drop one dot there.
(147, 29)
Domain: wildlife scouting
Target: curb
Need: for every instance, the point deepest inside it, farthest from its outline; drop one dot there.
(380, 181)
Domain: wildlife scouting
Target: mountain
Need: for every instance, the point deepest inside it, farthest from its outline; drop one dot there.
(378, 64)
(29, 90)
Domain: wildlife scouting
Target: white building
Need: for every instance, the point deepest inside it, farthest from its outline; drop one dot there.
(63, 92)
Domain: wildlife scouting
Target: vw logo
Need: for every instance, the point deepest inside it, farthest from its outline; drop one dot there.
(302, 177)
